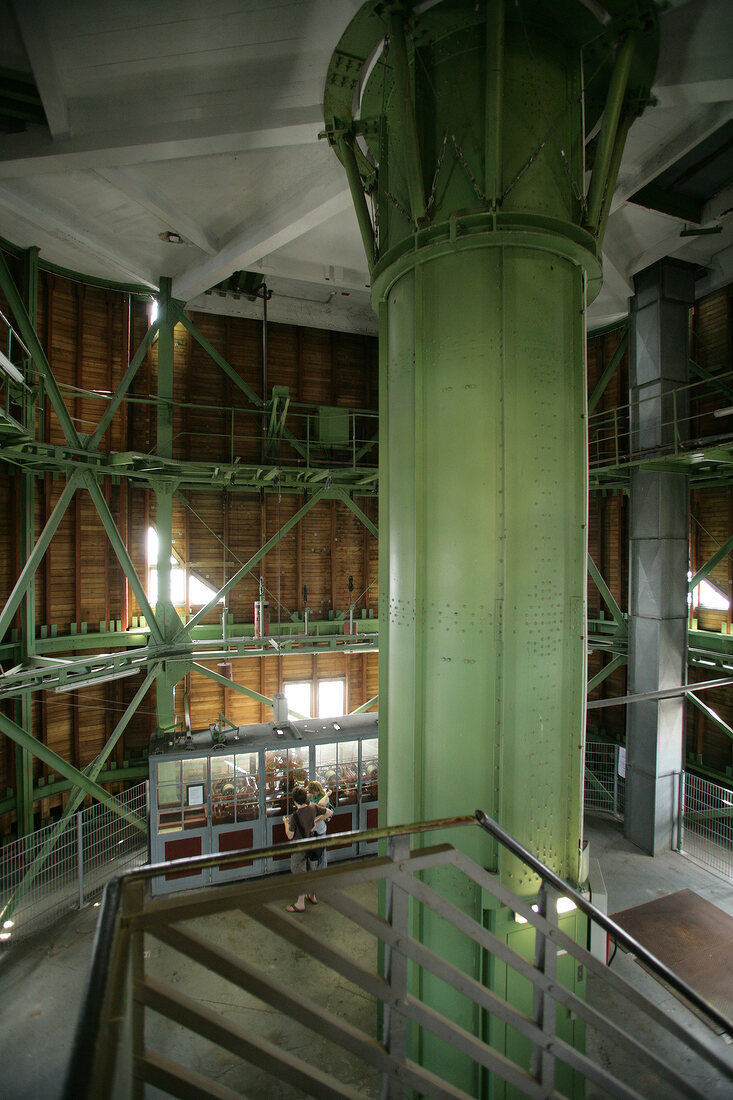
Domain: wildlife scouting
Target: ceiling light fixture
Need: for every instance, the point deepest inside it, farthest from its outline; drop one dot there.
(170, 237)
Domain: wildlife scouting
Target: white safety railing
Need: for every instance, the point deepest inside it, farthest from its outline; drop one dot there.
(66, 865)
(706, 831)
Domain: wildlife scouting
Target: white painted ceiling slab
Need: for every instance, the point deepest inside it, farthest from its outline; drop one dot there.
(202, 120)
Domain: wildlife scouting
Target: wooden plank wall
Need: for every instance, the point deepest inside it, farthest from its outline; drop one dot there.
(89, 334)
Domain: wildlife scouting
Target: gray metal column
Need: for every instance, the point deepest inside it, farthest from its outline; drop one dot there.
(659, 552)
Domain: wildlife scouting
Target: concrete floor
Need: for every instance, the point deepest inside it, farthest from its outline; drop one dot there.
(42, 981)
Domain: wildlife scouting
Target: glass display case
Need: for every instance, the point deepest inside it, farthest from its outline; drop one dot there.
(210, 797)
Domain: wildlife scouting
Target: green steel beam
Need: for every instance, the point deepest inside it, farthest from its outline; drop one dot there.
(715, 382)
(609, 129)
(363, 217)
(30, 339)
(342, 494)
(710, 714)
(253, 561)
(74, 802)
(709, 565)
(34, 559)
(123, 557)
(365, 706)
(405, 109)
(182, 318)
(238, 687)
(494, 115)
(607, 596)
(610, 370)
(57, 785)
(53, 760)
(149, 469)
(616, 157)
(123, 387)
(619, 660)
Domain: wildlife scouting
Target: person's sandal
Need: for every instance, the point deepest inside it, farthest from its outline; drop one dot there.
(312, 899)
(294, 909)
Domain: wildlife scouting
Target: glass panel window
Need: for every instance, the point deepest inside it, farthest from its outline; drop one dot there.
(284, 769)
(245, 769)
(331, 698)
(298, 695)
(170, 809)
(222, 789)
(336, 769)
(195, 793)
(369, 770)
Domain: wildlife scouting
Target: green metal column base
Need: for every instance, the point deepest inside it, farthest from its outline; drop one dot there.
(507, 983)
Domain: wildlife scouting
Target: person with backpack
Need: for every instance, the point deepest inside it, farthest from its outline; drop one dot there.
(301, 823)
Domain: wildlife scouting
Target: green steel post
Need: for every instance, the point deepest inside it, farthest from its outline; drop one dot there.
(483, 419)
(609, 130)
(606, 595)
(63, 767)
(704, 571)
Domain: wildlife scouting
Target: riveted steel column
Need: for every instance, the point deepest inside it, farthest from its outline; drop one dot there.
(481, 292)
(165, 612)
(659, 552)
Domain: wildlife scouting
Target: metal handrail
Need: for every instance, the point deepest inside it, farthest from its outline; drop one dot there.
(658, 968)
(106, 970)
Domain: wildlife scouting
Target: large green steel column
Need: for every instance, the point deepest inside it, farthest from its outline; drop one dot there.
(466, 128)
(462, 127)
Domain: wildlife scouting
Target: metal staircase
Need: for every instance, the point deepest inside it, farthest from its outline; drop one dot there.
(223, 993)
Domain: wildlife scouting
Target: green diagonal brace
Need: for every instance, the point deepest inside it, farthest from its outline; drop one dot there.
(715, 382)
(75, 799)
(709, 565)
(341, 494)
(123, 557)
(365, 706)
(30, 339)
(179, 315)
(609, 372)
(711, 714)
(63, 767)
(38, 551)
(249, 692)
(123, 387)
(618, 660)
(608, 599)
(253, 561)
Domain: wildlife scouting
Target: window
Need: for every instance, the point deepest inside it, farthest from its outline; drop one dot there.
(298, 695)
(199, 593)
(331, 698)
(707, 595)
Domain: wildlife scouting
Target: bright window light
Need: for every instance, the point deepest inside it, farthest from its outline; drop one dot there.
(153, 311)
(199, 593)
(331, 698)
(298, 695)
(708, 596)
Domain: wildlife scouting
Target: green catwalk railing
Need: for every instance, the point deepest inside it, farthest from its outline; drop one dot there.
(221, 992)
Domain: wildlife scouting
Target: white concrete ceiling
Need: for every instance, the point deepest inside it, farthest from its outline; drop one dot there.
(203, 120)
